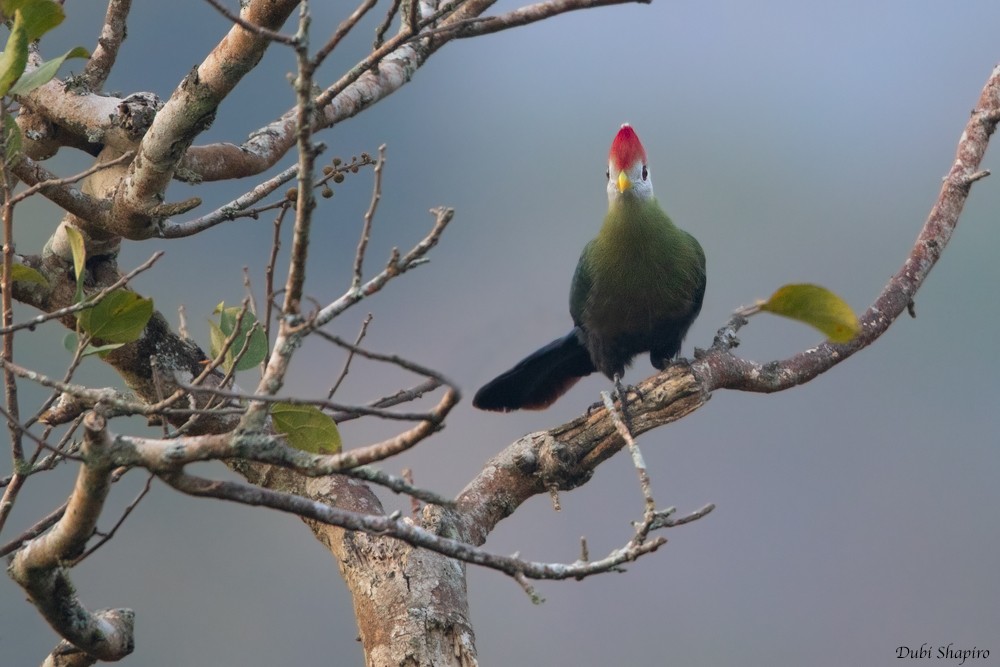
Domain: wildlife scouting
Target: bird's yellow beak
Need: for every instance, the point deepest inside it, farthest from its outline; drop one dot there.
(623, 182)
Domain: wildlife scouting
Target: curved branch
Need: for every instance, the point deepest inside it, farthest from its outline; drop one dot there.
(410, 533)
(722, 370)
(188, 112)
(566, 456)
(39, 566)
(96, 72)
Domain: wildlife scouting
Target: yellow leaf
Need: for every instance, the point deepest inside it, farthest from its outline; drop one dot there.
(78, 248)
(306, 427)
(816, 306)
(26, 274)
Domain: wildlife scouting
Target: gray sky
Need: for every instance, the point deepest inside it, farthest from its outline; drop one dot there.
(798, 142)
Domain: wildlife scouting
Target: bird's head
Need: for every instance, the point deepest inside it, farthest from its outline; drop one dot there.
(628, 175)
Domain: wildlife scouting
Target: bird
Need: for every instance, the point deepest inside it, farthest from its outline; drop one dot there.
(638, 287)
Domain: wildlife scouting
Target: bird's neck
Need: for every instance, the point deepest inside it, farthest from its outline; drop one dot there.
(637, 243)
(632, 221)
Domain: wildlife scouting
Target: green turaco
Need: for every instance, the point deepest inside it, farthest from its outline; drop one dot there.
(637, 288)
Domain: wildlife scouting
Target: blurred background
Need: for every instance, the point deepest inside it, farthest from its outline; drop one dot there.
(797, 142)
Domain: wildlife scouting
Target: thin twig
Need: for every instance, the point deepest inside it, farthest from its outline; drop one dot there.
(110, 397)
(249, 290)
(12, 411)
(402, 484)
(269, 280)
(289, 40)
(407, 531)
(342, 31)
(59, 182)
(114, 529)
(386, 23)
(366, 229)
(42, 413)
(318, 402)
(401, 396)
(89, 302)
(31, 533)
(234, 209)
(637, 459)
(414, 502)
(350, 356)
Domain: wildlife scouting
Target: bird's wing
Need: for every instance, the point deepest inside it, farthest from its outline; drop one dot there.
(580, 289)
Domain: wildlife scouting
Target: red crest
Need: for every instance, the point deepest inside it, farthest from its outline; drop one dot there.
(626, 149)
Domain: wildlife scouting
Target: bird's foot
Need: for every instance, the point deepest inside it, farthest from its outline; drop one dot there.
(622, 393)
(623, 390)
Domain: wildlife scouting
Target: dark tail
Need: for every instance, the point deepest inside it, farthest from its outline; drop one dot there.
(539, 379)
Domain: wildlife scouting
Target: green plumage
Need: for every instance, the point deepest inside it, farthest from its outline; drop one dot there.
(637, 288)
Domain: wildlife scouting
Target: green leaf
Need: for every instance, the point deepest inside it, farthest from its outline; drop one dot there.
(306, 427)
(256, 348)
(44, 74)
(72, 340)
(78, 249)
(20, 273)
(14, 56)
(120, 317)
(101, 350)
(32, 19)
(40, 16)
(817, 307)
(216, 339)
(11, 139)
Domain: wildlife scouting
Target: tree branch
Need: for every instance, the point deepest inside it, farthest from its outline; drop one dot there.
(188, 112)
(38, 566)
(96, 72)
(720, 369)
(567, 455)
(406, 531)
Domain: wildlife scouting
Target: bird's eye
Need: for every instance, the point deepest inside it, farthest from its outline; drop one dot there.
(607, 174)
(645, 172)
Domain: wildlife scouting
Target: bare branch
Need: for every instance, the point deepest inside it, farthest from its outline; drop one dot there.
(295, 400)
(403, 529)
(96, 72)
(230, 211)
(719, 369)
(366, 229)
(395, 267)
(269, 280)
(566, 456)
(294, 329)
(39, 565)
(401, 396)
(185, 115)
(59, 182)
(251, 27)
(350, 357)
(386, 23)
(92, 396)
(637, 459)
(114, 529)
(473, 27)
(40, 527)
(342, 31)
(89, 302)
(402, 484)
(65, 197)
